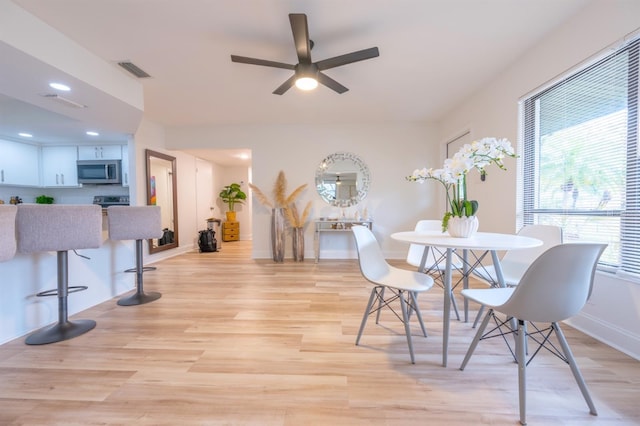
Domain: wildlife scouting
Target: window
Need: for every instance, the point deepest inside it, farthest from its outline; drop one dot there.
(580, 165)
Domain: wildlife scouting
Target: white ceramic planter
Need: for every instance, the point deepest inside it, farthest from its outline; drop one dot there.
(462, 227)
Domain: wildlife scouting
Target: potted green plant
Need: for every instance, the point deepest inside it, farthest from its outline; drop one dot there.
(44, 199)
(232, 195)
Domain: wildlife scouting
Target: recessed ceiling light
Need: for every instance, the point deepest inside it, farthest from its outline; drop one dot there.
(25, 135)
(60, 86)
(91, 133)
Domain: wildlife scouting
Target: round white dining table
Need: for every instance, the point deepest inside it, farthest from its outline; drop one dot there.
(480, 241)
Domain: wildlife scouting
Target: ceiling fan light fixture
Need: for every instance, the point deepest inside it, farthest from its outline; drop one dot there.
(306, 83)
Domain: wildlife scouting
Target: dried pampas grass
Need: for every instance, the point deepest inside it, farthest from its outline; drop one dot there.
(281, 200)
(260, 196)
(294, 219)
(280, 190)
(295, 194)
(305, 214)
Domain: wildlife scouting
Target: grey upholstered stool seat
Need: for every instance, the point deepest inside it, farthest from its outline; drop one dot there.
(136, 223)
(59, 228)
(7, 231)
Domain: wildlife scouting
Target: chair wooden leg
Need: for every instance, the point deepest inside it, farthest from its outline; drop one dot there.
(476, 339)
(407, 326)
(367, 312)
(455, 306)
(478, 316)
(380, 303)
(574, 368)
(414, 300)
(522, 371)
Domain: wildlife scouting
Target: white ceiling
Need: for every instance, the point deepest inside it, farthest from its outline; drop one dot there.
(433, 53)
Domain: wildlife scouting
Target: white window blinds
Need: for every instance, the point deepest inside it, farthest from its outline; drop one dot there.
(580, 158)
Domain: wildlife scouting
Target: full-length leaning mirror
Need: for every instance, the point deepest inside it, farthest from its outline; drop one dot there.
(162, 191)
(342, 179)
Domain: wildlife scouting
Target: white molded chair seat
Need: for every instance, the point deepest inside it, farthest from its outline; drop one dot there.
(8, 243)
(59, 228)
(403, 284)
(555, 287)
(136, 223)
(515, 262)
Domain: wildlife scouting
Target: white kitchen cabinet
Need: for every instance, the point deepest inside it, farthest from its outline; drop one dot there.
(99, 152)
(59, 166)
(18, 164)
(125, 165)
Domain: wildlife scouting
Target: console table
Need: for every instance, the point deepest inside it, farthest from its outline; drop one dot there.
(335, 225)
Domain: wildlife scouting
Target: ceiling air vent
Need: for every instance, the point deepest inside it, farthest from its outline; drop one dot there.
(134, 69)
(62, 100)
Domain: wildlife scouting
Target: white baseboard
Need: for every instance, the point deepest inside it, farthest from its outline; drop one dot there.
(607, 333)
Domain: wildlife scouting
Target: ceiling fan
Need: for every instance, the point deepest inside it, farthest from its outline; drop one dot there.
(307, 73)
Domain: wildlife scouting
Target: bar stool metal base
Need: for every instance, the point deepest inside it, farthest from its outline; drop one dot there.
(144, 269)
(139, 298)
(63, 329)
(60, 331)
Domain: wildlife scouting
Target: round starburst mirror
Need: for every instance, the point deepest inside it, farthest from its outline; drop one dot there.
(342, 179)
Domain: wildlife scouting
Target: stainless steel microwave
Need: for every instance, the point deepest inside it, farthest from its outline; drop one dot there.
(100, 171)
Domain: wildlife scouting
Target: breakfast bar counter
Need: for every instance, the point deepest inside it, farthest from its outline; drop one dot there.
(25, 275)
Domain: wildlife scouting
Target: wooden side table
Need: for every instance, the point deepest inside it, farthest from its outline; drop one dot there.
(230, 231)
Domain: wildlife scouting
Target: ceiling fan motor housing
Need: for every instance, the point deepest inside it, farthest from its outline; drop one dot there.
(306, 68)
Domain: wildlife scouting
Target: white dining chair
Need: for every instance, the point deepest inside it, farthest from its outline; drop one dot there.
(514, 263)
(403, 284)
(435, 262)
(555, 287)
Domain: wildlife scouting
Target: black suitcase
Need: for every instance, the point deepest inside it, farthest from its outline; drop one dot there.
(207, 241)
(167, 237)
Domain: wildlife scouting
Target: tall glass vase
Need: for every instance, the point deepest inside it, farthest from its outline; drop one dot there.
(297, 235)
(277, 234)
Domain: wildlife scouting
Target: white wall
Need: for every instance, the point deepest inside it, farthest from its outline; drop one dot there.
(612, 314)
(391, 151)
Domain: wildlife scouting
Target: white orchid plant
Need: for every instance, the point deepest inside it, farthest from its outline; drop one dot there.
(453, 175)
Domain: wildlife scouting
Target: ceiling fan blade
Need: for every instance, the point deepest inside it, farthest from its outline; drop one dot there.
(300, 31)
(263, 62)
(285, 86)
(331, 83)
(348, 58)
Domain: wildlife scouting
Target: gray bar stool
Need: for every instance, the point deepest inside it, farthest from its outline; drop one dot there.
(59, 228)
(7, 231)
(136, 223)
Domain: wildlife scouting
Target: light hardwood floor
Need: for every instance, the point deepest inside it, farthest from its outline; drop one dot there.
(236, 341)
